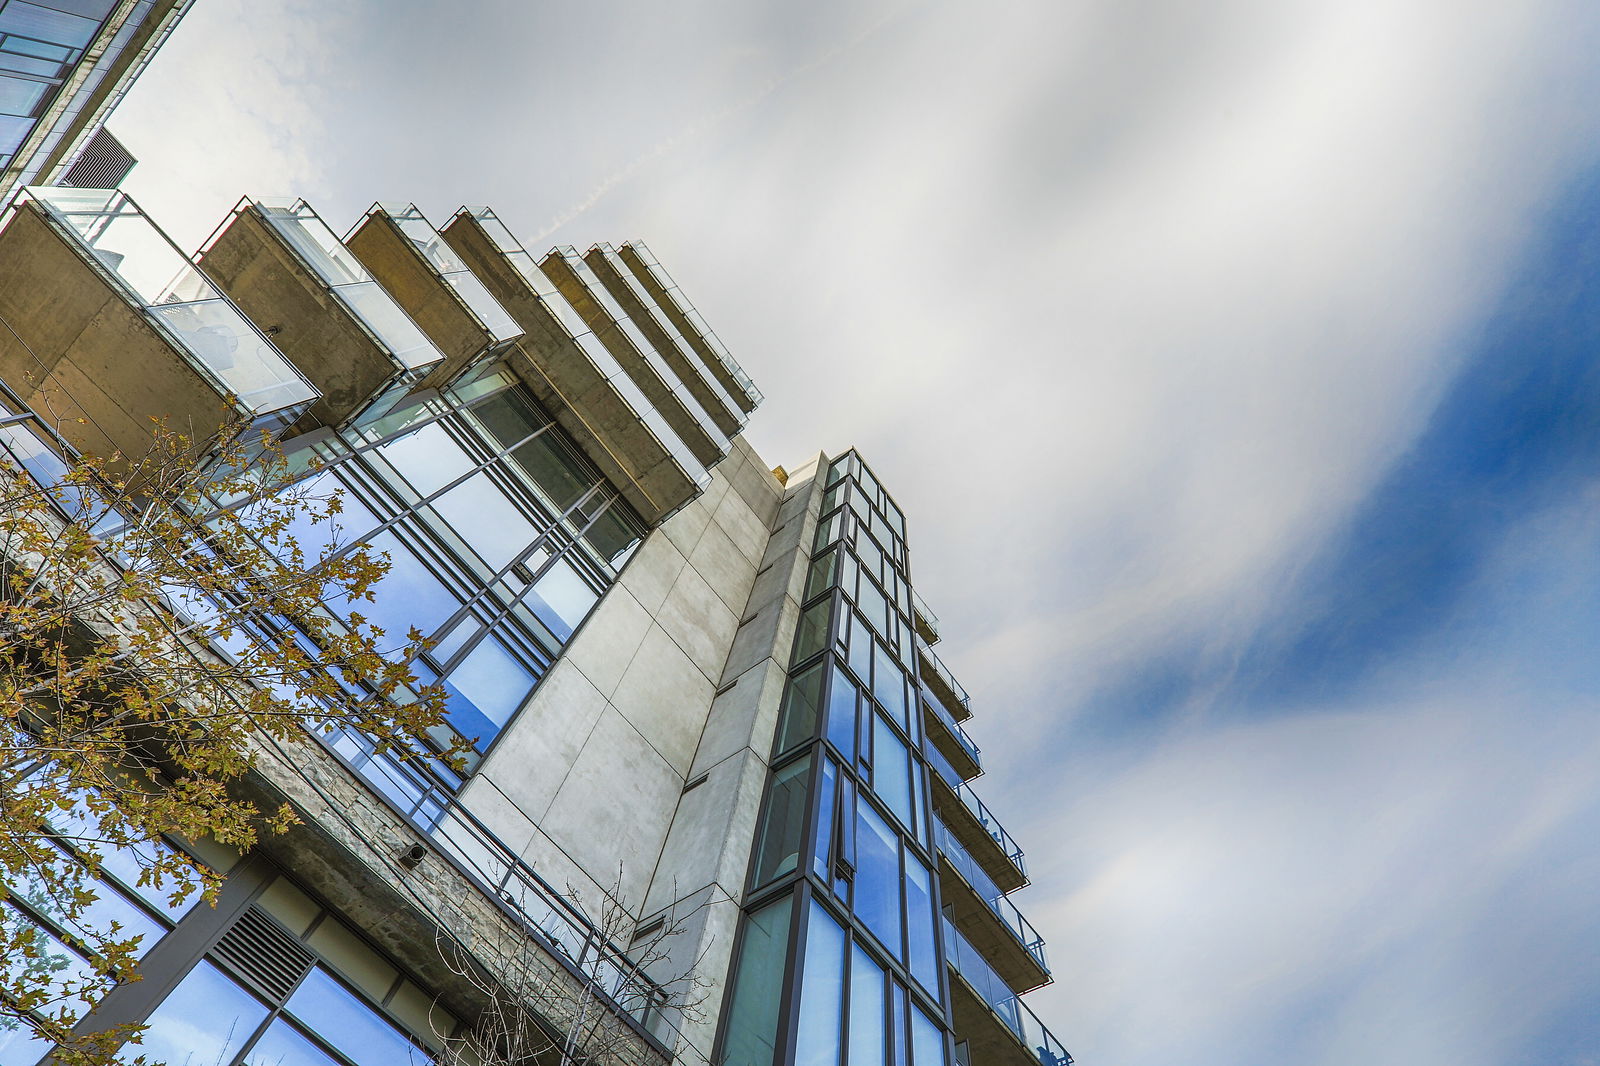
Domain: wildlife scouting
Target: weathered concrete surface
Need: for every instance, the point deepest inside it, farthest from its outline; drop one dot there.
(572, 387)
(315, 330)
(83, 357)
(416, 286)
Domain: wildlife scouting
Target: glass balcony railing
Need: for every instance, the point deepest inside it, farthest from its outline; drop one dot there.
(636, 337)
(420, 232)
(924, 615)
(303, 230)
(577, 329)
(942, 765)
(942, 672)
(196, 317)
(1005, 1004)
(659, 274)
(932, 701)
(991, 825)
(973, 874)
(663, 323)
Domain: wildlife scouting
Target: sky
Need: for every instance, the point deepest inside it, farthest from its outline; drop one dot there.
(1234, 364)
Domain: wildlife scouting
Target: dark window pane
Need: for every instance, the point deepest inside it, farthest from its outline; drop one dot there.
(821, 992)
(784, 829)
(801, 703)
(812, 633)
(555, 470)
(508, 416)
(613, 534)
(758, 987)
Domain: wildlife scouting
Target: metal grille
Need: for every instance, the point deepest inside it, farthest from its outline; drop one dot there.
(264, 955)
(102, 165)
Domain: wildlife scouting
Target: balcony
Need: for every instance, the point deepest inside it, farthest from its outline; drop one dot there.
(670, 299)
(577, 281)
(107, 322)
(576, 376)
(926, 621)
(619, 279)
(431, 282)
(946, 689)
(998, 1028)
(989, 921)
(960, 751)
(281, 263)
(978, 831)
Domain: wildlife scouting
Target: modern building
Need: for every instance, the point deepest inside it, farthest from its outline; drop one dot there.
(719, 788)
(64, 64)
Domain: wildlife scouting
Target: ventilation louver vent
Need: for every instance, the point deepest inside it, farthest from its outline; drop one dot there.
(103, 164)
(260, 952)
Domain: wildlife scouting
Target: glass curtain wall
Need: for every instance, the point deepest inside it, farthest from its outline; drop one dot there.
(844, 852)
(500, 538)
(41, 41)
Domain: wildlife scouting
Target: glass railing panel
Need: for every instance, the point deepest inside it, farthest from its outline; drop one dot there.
(235, 353)
(599, 355)
(391, 325)
(641, 343)
(120, 237)
(997, 995)
(420, 232)
(196, 316)
(661, 322)
(693, 317)
(930, 619)
(932, 701)
(942, 765)
(315, 243)
(944, 674)
(974, 875)
(486, 307)
(992, 826)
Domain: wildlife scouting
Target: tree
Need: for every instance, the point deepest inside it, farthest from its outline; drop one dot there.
(124, 725)
(539, 1012)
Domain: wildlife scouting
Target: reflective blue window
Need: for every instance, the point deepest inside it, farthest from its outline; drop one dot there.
(821, 992)
(207, 1018)
(340, 1017)
(927, 1042)
(877, 882)
(922, 957)
(891, 770)
(562, 599)
(867, 1015)
(281, 1045)
(842, 716)
(486, 689)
